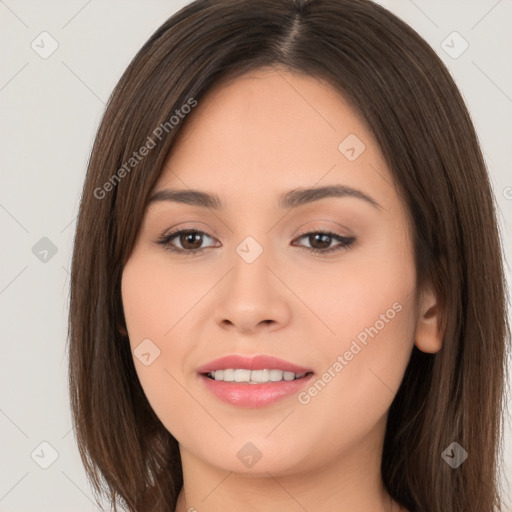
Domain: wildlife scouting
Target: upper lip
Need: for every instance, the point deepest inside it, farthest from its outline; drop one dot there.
(260, 362)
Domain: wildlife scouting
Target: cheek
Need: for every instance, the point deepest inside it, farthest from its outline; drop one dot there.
(369, 306)
(159, 304)
(367, 297)
(352, 396)
(159, 298)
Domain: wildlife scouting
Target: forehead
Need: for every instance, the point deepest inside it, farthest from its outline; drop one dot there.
(270, 128)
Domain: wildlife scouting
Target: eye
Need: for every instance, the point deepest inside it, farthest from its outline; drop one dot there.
(325, 238)
(190, 241)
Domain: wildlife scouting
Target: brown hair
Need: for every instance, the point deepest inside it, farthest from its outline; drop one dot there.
(418, 117)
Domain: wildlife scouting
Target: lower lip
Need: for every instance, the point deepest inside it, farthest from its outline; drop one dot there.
(254, 395)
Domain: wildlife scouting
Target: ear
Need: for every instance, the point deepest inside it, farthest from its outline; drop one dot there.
(428, 337)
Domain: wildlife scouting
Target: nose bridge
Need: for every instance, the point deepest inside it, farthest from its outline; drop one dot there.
(251, 250)
(252, 236)
(253, 295)
(251, 263)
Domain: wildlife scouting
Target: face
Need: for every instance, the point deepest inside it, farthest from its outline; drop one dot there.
(324, 282)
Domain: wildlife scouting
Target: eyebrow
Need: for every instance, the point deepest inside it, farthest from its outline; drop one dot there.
(291, 199)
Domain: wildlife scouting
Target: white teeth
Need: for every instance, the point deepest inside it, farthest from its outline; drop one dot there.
(242, 375)
(227, 375)
(276, 375)
(260, 376)
(254, 376)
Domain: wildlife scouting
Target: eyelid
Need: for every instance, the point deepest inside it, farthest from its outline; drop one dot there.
(298, 232)
(186, 227)
(347, 233)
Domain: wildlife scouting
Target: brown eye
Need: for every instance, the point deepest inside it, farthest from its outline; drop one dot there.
(320, 241)
(190, 241)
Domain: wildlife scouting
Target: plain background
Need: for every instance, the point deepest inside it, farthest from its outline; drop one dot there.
(50, 112)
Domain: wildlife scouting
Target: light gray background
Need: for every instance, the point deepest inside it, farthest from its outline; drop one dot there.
(50, 111)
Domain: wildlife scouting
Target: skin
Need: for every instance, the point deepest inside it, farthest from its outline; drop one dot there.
(250, 140)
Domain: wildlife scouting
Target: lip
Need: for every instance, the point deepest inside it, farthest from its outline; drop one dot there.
(253, 395)
(261, 362)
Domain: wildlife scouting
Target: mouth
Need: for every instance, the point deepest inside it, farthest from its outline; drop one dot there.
(243, 375)
(253, 382)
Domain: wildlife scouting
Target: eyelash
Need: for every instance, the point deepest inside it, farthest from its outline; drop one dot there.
(346, 242)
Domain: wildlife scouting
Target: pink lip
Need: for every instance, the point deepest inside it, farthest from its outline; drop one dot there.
(243, 394)
(262, 362)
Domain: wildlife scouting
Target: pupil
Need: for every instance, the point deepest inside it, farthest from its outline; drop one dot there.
(323, 238)
(192, 236)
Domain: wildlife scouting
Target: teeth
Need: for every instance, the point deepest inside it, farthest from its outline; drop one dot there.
(254, 376)
(242, 375)
(227, 375)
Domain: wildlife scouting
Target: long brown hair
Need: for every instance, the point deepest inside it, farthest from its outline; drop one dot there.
(408, 98)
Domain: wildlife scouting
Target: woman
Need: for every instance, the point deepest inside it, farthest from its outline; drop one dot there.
(287, 287)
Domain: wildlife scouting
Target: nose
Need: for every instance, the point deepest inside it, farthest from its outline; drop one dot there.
(253, 297)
